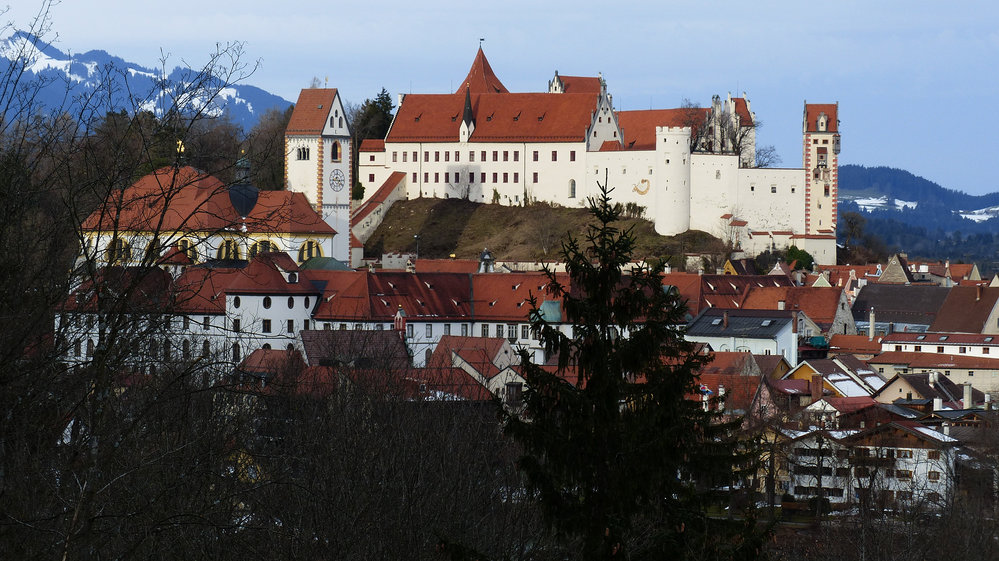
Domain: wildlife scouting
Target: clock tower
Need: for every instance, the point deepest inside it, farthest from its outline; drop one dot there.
(317, 160)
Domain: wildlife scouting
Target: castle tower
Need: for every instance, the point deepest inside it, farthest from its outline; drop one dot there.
(672, 189)
(317, 160)
(820, 154)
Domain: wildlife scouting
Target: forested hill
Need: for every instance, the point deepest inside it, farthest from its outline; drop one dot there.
(912, 214)
(859, 181)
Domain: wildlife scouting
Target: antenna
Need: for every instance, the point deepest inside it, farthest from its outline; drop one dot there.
(481, 39)
(327, 81)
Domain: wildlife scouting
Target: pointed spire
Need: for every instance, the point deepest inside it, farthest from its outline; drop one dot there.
(480, 78)
(468, 117)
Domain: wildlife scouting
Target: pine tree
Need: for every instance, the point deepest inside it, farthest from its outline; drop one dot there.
(619, 456)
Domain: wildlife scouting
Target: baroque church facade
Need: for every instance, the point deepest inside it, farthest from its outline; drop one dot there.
(689, 168)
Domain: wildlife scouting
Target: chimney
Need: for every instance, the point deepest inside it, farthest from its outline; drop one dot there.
(725, 319)
(946, 429)
(781, 304)
(978, 292)
(968, 404)
(794, 323)
(816, 387)
(937, 404)
(870, 326)
(932, 377)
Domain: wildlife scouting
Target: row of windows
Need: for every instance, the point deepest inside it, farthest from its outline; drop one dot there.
(266, 326)
(304, 152)
(483, 155)
(236, 303)
(941, 349)
(120, 251)
(773, 188)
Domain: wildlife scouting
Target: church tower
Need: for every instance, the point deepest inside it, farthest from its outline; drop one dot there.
(820, 154)
(317, 160)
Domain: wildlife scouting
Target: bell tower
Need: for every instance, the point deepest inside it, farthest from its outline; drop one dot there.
(820, 156)
(317, 160)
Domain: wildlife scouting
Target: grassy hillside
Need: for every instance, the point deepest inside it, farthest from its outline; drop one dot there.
(529, 233)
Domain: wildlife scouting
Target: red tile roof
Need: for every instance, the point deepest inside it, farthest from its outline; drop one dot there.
(481, 353)
(481, 78)
(364, 296)
(854, 344)
(504, 298)
(935, 361)
(510, 117)
(850, 404)
(580, 84)
(447, 265)
(187, 200)
(309, 115)
(742, 110)
(740, 391)
(372, 145)
(729, 363)
(638, 128)
(966, 309)
(378, 197)
(930, 338)
(818, 303)
(812, 111)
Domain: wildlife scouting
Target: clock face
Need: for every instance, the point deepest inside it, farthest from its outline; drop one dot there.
(337, 180)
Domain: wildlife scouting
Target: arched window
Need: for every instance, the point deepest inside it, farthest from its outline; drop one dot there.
(119, 251)
(235, 352)
(185, 349)
(188, 248)
(229, 250)
(90, 348)
(153, 251)
(309, 250)
(263, 246)
(572, 188)
(206, 349)
(335, 151)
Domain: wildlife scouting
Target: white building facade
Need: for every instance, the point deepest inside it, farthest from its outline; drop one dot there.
(488, 145)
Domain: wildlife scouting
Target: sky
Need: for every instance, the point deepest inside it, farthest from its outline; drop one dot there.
(914, 80)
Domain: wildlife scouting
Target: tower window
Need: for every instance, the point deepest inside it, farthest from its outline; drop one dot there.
(335, 152)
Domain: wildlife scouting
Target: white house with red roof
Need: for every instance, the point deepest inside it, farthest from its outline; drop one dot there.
(182, 209)
(689, 168)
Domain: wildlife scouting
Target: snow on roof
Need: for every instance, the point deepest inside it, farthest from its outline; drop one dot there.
(926, 431)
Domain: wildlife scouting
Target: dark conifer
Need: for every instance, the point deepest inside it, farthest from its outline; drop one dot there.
(621, 457)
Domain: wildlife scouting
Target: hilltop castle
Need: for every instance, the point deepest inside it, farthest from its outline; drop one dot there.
(689, 168)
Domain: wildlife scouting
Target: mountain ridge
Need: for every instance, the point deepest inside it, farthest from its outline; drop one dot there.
(76, 77)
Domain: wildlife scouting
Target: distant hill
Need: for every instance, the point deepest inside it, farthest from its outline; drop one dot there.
(883, 191)
(920, 217)
(70, 79)
(535, 232)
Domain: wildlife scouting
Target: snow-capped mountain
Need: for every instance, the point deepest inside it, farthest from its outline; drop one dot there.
(96, 82)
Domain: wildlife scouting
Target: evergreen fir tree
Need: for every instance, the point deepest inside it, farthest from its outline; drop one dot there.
(620, 457)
